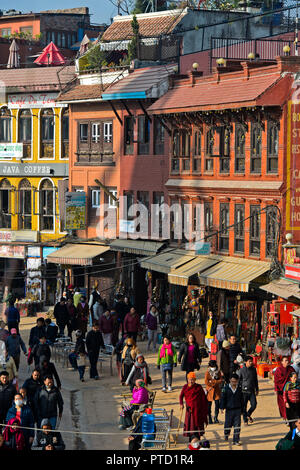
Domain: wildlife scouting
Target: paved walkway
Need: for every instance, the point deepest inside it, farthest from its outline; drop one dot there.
(93, 406)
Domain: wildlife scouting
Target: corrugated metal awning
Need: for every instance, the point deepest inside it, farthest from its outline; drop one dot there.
(234, 274)
(283, 288)
(296, 313)
(180, 275)
(138, 247)
(167, 260)
(77, 254)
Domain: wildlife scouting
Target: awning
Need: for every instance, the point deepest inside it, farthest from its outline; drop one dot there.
(181, 275)
(167, 260)
(138, 247)
(234, 274)
(77, 254)
(296, 313)
(283, 288)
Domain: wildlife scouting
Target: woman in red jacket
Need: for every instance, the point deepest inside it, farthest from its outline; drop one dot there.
(132, 324)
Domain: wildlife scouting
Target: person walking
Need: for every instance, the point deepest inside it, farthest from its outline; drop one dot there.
(37, 332)
(61, 315)
(10, 366)
(14, 344)
(12, 315)
(49, 402)
(51, 331)
(221, 332)
(122, 310)
(166, 360)
(76, 297)
(249, 384)
(291, 398)
(223, 361)
(233, 404)
(47, 368)
(116, 328)
(46, 437)
(3, 332)
(82, 315)
(196, 408)
(140, 370)
(32, 385)
(132, 324)
(13, 435)
(25, 416)
(210, 330)
(72, 320)
(94, 342)
(7, 393)
(281, 377)
(213, 381)
(234, 350)
(94, 297)
(189, 355)
(106, 325)
(39, 350)
(78, 355)
(151, 321)
(128, 358)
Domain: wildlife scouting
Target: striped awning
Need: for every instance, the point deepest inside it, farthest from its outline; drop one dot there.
(77, 254)
(167, 260)
(284, 288)
(180, 275)
(296, 313)
(138, 247)
(234, 274)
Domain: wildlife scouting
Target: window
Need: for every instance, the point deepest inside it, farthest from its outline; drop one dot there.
(5, 32)
(83, 132)
(112, 203)
(240, 137)
(95, 197)
(143, 135)
(208, 217)
(47, 133)
(197, 152)
(272, 153)
(65, 133)
(256, 135)
(159, 137)
(157, 222)
(143, 198)
(271, 230)
(224, 224)
(5, 125)
(129, 202)
(224, 149)
(181, 149)
(26, 29)
(128, 135)
(95, 132)
(210, 142)
(5, 214)
(107, 132)
(239, 232)
(63, 39)
(255, 230)
(25, 205)
(25, 122)
(47, 205)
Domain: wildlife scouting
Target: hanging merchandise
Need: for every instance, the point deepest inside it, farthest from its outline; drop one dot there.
(246, 320)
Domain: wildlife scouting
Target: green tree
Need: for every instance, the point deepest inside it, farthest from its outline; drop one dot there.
(133, 47)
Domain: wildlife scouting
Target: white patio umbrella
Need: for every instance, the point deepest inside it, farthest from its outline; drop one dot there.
(14, 57)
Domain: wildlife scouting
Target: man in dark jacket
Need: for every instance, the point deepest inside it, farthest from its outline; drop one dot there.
(48, 401)
(234, 350)
(232, 402)
(42, 349)
(37, 332)
(47, 368)
(14, 343)
(32, 385)
(12, 315)
(223, 360)
(61, 315)
(94, 342)
(51, 331)
(249, 384)
(7, 393)
(47, 438)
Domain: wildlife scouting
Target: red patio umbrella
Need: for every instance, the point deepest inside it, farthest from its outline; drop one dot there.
(50, 56)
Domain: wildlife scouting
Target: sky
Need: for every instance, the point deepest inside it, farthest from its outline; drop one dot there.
(101, 10)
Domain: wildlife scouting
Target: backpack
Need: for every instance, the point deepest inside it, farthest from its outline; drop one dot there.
(286, 444)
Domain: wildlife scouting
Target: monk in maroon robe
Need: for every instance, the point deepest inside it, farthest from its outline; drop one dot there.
(196, 407)
(281, 377)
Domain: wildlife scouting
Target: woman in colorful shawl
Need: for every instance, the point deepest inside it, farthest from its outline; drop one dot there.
(281, 376)
(291, 398)
(13, 435)
(167, 359)
(196, 408)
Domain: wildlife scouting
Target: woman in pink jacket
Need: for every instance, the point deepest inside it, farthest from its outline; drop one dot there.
(140, 396)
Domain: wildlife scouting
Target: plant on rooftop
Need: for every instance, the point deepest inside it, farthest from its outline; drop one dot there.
(133, 46)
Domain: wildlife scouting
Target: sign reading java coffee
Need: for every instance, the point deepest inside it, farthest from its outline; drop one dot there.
(293, 168)
(34, 169)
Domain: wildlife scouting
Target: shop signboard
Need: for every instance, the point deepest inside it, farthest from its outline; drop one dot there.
(32, 100)
(202, 248)
(292, 263)
(33, 169)
(12, 251)
(47, 250)
(5, 236)
(9, 151)
(126, 226)
(33, 252)
(293, 166)
(75, 210)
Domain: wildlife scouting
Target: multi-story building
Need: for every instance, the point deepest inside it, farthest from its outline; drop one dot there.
(34, 156)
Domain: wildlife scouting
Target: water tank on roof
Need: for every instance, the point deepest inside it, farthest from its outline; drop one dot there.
(12, 12)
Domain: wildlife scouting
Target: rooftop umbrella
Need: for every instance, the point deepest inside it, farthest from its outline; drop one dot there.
(14, 57)
(50, 56)
(84, 45)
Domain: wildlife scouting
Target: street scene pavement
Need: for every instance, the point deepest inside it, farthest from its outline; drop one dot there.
(91, 409)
